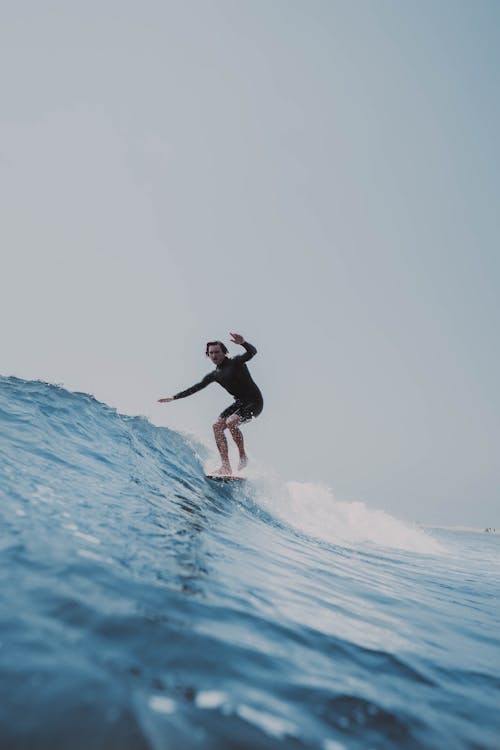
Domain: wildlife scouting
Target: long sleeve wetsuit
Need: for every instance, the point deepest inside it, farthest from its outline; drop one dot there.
(233, 375)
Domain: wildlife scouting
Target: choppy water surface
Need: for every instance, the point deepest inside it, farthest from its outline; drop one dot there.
(142, 606)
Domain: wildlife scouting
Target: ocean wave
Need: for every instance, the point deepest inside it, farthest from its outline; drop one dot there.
(143, 606)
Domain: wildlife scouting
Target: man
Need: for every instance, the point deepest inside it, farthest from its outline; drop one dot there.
(233, 375)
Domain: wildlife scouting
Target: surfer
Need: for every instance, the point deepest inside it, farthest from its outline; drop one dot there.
(233, 375)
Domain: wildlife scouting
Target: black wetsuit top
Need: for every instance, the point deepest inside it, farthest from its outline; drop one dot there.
(233, 375)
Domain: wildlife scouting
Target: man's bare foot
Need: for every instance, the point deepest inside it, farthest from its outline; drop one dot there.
(224, 471)
(243, 462)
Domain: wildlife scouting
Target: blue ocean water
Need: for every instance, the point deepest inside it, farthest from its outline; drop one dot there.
(144, 607)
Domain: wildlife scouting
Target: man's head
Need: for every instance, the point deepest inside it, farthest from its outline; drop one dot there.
(216, 351)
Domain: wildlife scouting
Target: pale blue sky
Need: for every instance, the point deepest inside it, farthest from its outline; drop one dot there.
(322, 177)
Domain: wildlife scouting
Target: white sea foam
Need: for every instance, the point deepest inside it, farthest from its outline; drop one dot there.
(313, 509)
(89, 555)
(275, 726)
(161, 704)
(87, 537)
(211, 699)
(329, 744)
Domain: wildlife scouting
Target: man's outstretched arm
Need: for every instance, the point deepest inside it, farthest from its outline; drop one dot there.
(189, 391)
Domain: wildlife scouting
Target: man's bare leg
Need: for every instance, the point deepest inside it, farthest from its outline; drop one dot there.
(221, 443)
(237, 435)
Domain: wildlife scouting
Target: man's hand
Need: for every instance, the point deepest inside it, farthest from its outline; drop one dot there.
(165, 400)
(237, 338)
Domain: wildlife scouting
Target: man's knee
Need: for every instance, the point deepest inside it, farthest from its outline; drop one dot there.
(233, 422)
(219, 425)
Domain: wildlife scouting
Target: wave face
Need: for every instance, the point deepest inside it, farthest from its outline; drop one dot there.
(143, 607)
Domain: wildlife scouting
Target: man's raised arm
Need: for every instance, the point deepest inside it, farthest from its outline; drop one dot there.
(251, 351)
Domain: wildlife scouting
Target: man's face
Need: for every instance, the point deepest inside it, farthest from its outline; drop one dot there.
(216, 354)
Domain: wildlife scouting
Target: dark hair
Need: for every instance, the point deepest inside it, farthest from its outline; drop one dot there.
(216, 343)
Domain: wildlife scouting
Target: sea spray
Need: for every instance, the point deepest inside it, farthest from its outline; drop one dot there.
(312, 508)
